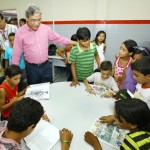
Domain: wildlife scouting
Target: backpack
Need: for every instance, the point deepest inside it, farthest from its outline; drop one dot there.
(123, 94)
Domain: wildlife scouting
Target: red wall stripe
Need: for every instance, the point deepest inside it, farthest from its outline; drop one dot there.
(99, 22)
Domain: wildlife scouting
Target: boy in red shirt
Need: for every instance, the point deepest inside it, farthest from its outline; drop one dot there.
(9, 90)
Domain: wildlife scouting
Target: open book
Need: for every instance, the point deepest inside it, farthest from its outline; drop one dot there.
(43, 137)
(39, 91)
(110, 134)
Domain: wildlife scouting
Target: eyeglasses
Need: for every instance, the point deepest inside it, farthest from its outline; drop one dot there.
(35, 20)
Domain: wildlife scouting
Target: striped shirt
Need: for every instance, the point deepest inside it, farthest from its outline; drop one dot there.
(10, 144)
(4, 42)
(5, 143)
(84, 60)
(139, 140)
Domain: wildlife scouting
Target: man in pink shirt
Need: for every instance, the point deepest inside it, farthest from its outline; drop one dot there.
(32, 39)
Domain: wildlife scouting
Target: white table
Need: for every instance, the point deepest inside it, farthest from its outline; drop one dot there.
(57, 61)
(70, 107)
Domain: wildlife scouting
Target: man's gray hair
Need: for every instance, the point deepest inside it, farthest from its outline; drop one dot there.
(31, 10)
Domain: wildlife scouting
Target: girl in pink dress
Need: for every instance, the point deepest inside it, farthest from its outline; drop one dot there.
(124, 59)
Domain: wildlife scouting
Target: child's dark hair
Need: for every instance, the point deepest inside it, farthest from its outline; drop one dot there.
(129, 44)
(98, 33)
(23, 20)
(11, 34)
(74, 37)
(134, 111)
(106, 65)
(25, 113)
(12, 71)
(12, 19)
(83, 33)
(144, 51)
(142, 65)
(52, 49)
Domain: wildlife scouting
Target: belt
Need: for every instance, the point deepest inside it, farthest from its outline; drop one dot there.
(38, 65)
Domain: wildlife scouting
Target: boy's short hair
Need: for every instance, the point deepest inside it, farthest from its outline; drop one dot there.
(52, 49)
(23, 20)
(25, 113)
(83, 33)
(11, 34)
(142, 65)
(11, 20)
(106, 65)
(134, 111)
(12, 71)
(74, 37)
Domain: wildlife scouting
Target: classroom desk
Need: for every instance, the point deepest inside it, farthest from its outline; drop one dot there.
(70, 107)
(57, 61)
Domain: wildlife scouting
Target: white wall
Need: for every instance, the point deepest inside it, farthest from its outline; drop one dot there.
(61, 10)
(79, 9)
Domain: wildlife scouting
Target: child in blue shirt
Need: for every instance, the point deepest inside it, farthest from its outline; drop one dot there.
(9, 51)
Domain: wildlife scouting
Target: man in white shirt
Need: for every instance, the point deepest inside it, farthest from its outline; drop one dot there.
(5, 30)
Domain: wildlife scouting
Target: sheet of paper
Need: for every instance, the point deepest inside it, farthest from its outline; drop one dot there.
(43, 137)
(97, 90)
(39, 91)
(110, 134)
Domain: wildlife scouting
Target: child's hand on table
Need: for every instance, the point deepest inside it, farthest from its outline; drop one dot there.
(74, 83)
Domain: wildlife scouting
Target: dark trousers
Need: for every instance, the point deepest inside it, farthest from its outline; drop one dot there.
(39, 73)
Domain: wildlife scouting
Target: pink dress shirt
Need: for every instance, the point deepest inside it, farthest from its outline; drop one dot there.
(34, 44)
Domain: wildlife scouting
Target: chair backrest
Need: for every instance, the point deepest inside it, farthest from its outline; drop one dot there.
(22, 84)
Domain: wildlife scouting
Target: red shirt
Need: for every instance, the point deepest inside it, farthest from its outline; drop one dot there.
(11, 93)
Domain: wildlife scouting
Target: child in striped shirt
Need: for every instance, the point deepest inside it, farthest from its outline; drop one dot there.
(82, 56)
(131, 114)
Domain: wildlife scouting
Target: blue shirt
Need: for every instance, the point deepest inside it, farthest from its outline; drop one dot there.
(8, 55)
